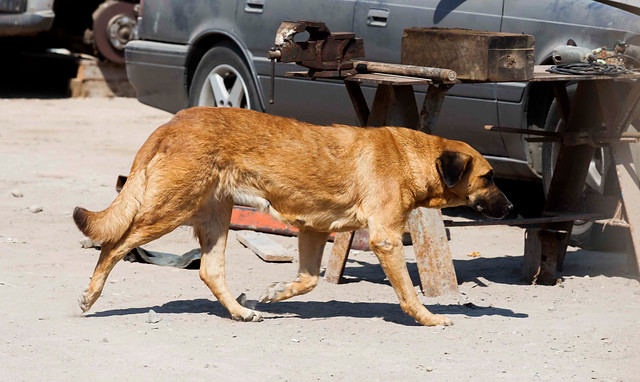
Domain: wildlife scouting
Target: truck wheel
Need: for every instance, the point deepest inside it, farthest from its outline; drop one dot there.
(223, 80)
(114, 25)
(598, 169)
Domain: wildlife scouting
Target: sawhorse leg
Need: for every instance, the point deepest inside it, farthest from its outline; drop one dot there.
(545, 248)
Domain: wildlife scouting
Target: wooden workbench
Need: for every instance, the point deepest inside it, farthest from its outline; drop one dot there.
(597, 99)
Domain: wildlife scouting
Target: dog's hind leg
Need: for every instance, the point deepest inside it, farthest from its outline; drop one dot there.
(211, 226)
(310, 246)
(141, 232)
(387, 245)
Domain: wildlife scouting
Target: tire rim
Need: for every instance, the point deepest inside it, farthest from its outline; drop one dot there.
(596, 175)
(120, 30)
(224, 87)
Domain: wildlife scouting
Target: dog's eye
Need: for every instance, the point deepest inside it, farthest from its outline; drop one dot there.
(488, 176)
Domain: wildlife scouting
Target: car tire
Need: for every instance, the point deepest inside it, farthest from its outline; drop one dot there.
(222, 79)
(600, 164)
(114, 24)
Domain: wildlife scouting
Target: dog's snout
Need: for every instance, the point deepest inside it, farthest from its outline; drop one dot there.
(509, 207)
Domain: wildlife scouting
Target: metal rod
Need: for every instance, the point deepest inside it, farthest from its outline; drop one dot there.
(514, 130)
(437, 74)
(272, 82)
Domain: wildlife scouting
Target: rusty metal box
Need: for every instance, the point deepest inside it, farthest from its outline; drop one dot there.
(473, 55)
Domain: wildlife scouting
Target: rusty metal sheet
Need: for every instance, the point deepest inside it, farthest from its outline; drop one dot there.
(433, 256)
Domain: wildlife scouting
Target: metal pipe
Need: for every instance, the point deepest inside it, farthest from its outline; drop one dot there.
(436, 74)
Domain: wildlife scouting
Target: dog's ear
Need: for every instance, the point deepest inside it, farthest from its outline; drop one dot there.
(451, 166)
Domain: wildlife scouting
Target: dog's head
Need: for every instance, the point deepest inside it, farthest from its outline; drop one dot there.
(468, 180)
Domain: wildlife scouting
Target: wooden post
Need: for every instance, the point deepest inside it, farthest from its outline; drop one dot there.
(433, 256)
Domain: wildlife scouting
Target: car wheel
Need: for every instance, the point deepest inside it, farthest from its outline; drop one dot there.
(598, 168)
(223, 80)
(114, 25)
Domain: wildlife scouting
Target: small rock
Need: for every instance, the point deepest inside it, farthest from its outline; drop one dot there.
(105, 340)
(429, 369)
(295, 340)
(153, 317)
(16, 193)
(587, 277)
(35, 208)
(552, 308)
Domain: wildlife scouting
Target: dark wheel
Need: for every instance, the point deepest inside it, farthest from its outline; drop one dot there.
(598, 169)
(114, 25)
(223, 80)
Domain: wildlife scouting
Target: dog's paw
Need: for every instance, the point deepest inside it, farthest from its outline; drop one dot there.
(274, 291)
(249, 316)
(441, 320)
(83, 303)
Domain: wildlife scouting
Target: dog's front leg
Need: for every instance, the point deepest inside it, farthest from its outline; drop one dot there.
(388, 248)
(310, 246)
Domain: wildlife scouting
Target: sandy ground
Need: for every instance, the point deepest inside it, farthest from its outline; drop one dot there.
(67, 152)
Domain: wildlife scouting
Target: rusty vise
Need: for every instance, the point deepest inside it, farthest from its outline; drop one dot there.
(326, 54)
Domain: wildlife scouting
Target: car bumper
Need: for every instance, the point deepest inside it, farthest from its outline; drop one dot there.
(158, 72)
(25, 23)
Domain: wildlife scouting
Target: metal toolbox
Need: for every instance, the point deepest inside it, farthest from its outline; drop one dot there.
(473, 55)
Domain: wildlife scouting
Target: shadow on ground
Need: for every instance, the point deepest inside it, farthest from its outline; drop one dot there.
(36, 75)
(390, 312)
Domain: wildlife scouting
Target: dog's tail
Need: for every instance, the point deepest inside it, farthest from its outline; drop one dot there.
(110, 225)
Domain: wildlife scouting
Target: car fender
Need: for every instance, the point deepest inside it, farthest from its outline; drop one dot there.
(204, 36)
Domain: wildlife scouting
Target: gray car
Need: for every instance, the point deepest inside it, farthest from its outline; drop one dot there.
(210, 52)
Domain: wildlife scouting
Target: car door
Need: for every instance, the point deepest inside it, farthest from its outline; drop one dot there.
(321, 102)
(467, 107)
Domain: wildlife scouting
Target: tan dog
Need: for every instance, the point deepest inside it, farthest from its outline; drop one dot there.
(320, 179)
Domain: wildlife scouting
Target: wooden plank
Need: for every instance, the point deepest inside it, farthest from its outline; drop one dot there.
(433, 256)
(558, 217)
(267, 249)
(338, 257)
(630, 190)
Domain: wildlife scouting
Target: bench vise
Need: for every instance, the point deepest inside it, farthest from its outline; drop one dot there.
(326, 54)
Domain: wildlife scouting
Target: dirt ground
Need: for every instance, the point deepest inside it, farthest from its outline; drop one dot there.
(67, 152)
